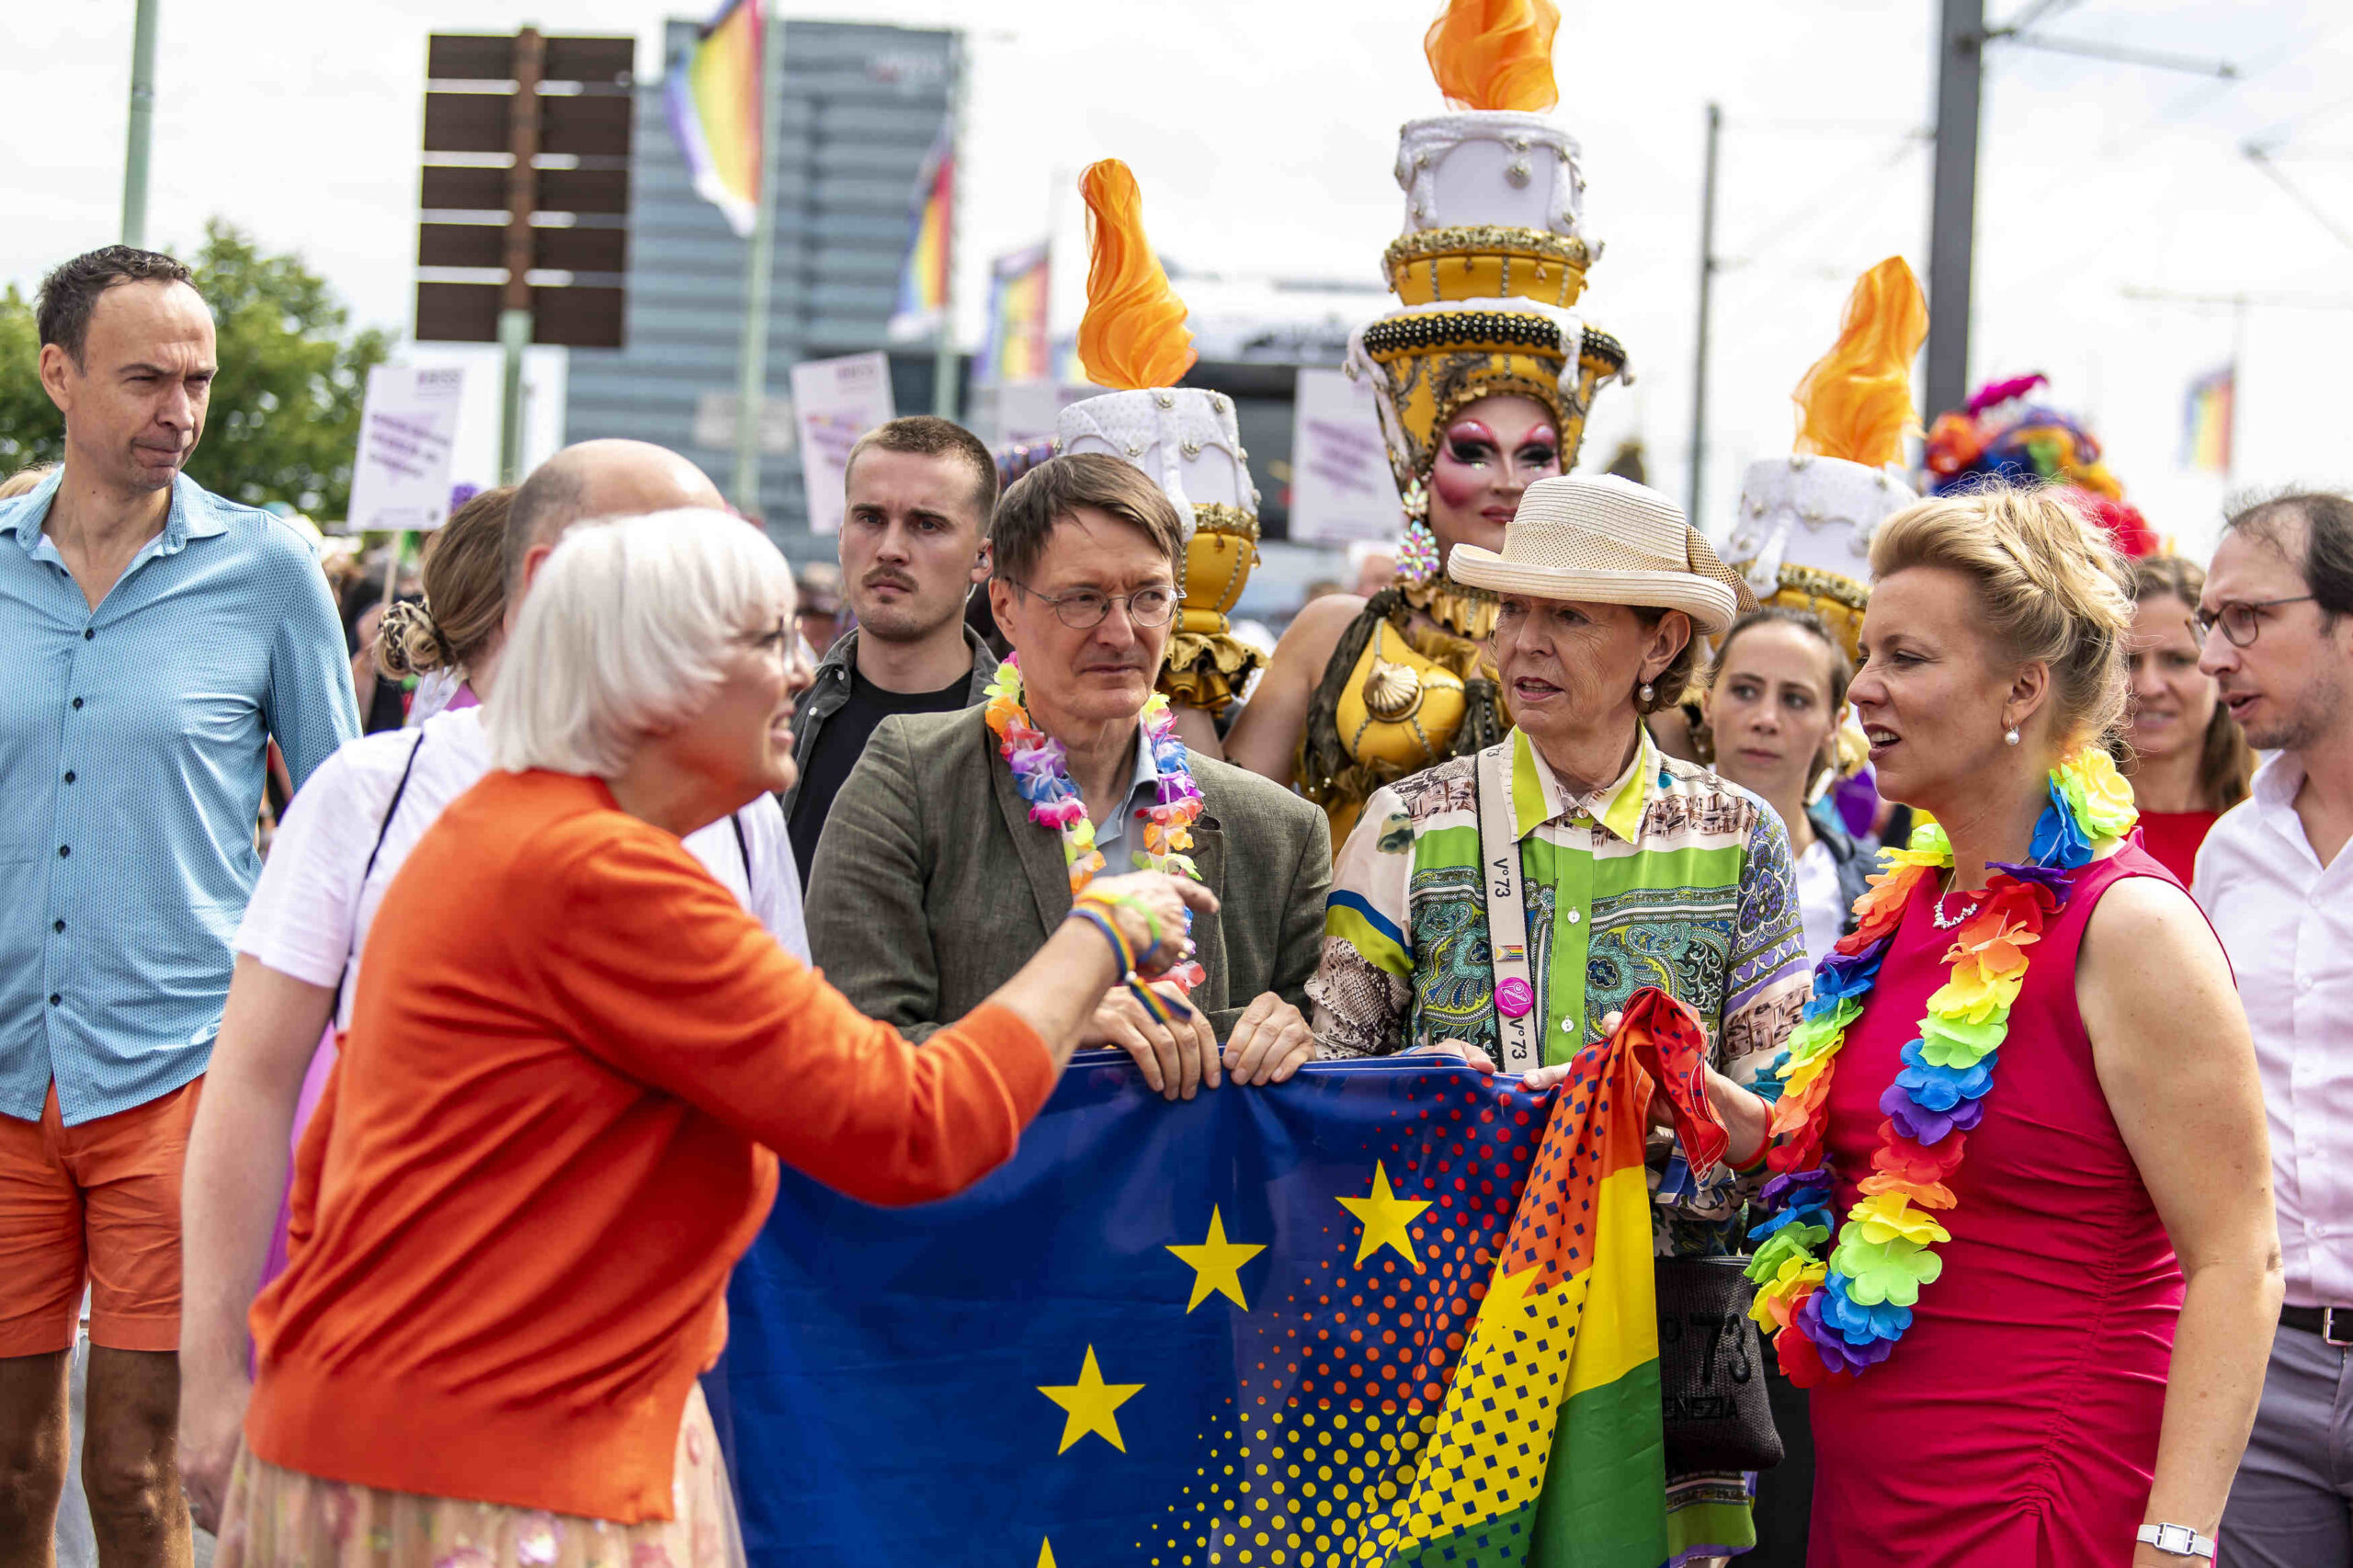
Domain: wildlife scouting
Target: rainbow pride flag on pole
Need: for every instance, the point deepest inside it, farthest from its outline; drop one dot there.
(922, 278)
(1019, 348)
(2206, 423)
(713, 97)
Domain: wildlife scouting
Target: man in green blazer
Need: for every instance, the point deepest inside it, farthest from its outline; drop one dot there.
(932, 885)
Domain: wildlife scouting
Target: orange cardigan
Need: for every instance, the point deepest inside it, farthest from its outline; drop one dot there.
(546, 1143)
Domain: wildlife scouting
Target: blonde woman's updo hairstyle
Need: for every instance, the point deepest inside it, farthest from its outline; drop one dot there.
(465, 594)
(2050, 587)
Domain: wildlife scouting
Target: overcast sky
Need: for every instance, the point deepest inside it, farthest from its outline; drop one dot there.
(1263, 132)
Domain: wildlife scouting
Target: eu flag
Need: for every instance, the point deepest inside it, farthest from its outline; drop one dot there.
(1303, 1323)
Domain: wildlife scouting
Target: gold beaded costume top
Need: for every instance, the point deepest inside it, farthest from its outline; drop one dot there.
(1491, 259)
(1134, 339)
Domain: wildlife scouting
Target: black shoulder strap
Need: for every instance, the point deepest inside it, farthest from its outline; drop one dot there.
(391, 809)
(744, 849)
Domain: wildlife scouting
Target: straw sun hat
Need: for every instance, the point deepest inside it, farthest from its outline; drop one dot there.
(1606, 541)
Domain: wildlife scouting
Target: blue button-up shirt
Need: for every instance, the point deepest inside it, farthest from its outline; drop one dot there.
(132, 741)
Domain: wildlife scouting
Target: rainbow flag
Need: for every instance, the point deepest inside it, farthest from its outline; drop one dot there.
(713, 97)
(1019, 348)
(922, 278)
(2206, 424)
(1548, 1447)
(1388, 1313)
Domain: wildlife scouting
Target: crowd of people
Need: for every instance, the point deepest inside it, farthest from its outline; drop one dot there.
(1997, 856)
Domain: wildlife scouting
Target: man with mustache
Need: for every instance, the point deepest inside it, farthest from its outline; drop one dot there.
(955, 847)
(2275, 628)
(914, 540)
(154, 638)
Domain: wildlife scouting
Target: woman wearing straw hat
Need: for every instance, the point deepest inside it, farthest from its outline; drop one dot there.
(1635, 868)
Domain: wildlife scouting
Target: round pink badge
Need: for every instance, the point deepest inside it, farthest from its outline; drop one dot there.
(1515, 998)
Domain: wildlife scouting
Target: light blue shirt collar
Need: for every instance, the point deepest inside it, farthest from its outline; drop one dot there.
(1144, 790)
(193, 516)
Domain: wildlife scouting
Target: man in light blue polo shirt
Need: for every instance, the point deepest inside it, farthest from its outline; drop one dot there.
(153, 639)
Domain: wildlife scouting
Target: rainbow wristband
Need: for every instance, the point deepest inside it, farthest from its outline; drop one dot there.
(1108, 901)
(1162, 1010)
(1124, 957)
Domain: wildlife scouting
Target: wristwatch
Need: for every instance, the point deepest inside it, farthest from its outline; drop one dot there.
(2176, 1541)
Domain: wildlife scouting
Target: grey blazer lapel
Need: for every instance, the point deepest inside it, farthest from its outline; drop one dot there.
(1041, 849)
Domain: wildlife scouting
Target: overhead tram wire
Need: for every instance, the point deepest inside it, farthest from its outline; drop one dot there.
(1855, 181)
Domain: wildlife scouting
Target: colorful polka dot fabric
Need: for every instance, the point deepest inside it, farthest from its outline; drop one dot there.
(1388, 1313)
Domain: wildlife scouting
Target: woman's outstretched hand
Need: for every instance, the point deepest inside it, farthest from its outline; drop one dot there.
(1149, 908)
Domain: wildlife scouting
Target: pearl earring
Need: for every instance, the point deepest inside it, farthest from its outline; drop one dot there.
(1646, 691)
(2010, 735)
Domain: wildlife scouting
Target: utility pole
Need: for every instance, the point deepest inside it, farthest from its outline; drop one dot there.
(752, 389)
(142, 125)
(515, 303)
(943, 366)
(1693, 491)
(1952, 223)
(1961, 39)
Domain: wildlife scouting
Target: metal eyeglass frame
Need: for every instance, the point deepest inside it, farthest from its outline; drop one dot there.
(1127, 601)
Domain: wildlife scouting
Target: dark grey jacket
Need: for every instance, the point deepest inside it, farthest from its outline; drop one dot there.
(932, 886)
(830, 691)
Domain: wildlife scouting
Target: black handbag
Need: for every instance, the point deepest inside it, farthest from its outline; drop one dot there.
(1712, 1368)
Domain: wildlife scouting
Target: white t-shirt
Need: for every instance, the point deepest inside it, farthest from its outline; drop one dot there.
(1820, 904)
(309, 912)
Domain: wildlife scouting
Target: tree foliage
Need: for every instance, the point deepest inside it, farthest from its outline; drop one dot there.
(284, 420)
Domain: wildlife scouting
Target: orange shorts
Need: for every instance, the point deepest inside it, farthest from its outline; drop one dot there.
(100, 1202)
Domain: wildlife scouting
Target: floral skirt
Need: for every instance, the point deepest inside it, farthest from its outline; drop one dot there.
(282, 1519)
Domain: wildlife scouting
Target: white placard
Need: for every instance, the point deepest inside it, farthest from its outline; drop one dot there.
(836, 401)
(1340, 484)
(715, 423)
(1026, 412)
(407, 428)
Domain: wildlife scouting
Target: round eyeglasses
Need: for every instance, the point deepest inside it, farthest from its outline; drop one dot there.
(1085, 609)
(2241, 621)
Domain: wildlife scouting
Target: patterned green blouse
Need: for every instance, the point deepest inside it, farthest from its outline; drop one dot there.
(1669, 877)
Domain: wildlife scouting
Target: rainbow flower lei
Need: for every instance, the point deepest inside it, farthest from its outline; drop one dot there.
(1849, 1309)
(1044, 780)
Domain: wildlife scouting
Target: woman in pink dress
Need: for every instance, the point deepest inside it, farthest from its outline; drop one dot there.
(2022, 1110)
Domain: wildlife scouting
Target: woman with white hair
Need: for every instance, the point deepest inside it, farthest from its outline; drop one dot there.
(574, 1064)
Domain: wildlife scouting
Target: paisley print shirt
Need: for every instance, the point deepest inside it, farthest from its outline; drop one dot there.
(1668, 877)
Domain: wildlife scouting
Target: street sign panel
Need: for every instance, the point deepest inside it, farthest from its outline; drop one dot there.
(577, 124)
(507, 112)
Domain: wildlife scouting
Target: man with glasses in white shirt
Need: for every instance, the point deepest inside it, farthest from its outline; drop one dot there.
(2276, 629)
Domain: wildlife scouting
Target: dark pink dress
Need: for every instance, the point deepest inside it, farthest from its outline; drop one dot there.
(2016, 1424)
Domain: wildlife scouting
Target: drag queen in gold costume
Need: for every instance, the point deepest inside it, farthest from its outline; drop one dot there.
(1485, 378)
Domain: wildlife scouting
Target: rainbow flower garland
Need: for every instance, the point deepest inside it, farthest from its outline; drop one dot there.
(1039, 773)
(1849, 1309)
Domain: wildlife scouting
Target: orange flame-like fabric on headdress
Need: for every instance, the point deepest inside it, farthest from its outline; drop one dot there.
(1134, 334)
(1491, 54)
(1856, 403)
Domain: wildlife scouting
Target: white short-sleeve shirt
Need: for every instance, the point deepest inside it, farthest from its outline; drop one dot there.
(317, 895)
(1820, 903)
